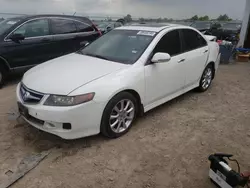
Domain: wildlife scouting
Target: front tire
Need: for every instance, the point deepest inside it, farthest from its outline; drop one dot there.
(206, 78)
(119, 115)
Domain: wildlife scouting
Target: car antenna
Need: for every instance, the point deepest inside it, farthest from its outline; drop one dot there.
(74, 14)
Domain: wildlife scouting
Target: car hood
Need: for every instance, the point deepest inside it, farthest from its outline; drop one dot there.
(63, 75)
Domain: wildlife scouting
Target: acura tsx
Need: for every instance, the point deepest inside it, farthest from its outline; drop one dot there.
(103, 87)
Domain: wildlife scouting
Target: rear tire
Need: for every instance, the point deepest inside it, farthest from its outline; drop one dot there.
(119, 115)
(206, 79)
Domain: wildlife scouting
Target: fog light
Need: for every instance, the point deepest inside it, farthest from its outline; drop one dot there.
(67, 126)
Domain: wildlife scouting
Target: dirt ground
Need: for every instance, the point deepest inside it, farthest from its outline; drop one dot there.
(168, 147)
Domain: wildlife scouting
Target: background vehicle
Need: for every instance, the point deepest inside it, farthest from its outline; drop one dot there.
(124, 73)
(105, 27)
(202, 25)
(29, 40)
(206, 27)
(229, 31)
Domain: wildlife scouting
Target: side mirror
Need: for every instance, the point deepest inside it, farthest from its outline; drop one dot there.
(161, 58)
(109, 29)
(84, 43)
(16, 37)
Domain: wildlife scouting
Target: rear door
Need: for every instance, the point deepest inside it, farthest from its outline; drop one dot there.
(65, 35)
(195, 49)
(34, 49)
(85, 32)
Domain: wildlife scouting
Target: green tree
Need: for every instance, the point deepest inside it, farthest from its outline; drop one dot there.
(128, 18)
(194, 18)
(141, 20)
(204, 18)
(224, 17)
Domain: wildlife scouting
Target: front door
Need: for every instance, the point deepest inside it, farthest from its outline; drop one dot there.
(34, 49)
(165, 79)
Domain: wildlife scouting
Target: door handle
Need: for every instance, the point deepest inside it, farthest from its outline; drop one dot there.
(205, 51)
(181, 60)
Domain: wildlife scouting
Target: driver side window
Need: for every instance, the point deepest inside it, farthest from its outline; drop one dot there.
(34, 28)
(169, 43)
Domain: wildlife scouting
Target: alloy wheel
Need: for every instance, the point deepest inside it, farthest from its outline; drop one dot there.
(122, 116)
(207, 78)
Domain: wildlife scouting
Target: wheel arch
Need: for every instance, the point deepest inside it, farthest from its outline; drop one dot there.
(4, 63)
(135, 94)
(211, 63)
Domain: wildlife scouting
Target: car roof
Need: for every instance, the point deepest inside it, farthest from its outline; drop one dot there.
(150, 27)
(28, 17)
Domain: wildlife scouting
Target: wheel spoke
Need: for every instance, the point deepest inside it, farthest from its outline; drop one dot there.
(114, 124)
(124, 125)
(114, 116)
(127, 105)
(116, 109)
(122, 105)
(204, 84)
(130, 110)
(129, 118)
(119, 126)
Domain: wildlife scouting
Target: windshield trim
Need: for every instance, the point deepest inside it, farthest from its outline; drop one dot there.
(122, 62)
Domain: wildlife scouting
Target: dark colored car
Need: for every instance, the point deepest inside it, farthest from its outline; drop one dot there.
(105, 27)
(206, 27)
(230, 31)
(29, 40)
(202, 25)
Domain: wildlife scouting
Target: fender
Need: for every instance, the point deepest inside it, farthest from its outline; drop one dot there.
(6, 63)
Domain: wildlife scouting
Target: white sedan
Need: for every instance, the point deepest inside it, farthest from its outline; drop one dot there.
(106, 85)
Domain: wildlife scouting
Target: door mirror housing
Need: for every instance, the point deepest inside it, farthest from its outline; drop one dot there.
(109, 29)
(161, 58)
(16, 37)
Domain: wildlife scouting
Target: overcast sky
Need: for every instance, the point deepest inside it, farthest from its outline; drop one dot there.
(137, 8)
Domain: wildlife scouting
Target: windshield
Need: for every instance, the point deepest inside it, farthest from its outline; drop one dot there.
(8, 23)
(201, 25)
(231, 26)
(123, 46)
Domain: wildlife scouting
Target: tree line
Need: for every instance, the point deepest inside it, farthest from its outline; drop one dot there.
(224, 17)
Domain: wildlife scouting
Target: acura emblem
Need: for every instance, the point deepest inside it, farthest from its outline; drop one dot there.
(26, 95)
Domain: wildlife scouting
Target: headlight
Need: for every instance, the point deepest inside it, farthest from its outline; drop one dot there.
(57, 100)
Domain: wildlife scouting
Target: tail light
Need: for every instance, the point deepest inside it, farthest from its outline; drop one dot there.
(97, 29)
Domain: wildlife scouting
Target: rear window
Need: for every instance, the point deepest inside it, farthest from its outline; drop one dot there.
(63, 26)
(192, 40)
(83, 27)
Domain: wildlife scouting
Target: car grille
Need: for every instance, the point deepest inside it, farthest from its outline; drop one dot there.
(29, 96)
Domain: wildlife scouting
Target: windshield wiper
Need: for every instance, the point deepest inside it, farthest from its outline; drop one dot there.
(95, 55)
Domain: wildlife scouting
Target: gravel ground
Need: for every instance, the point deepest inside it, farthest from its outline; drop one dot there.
(168, 147)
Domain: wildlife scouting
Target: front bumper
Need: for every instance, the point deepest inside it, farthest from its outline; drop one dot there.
(85, 118)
